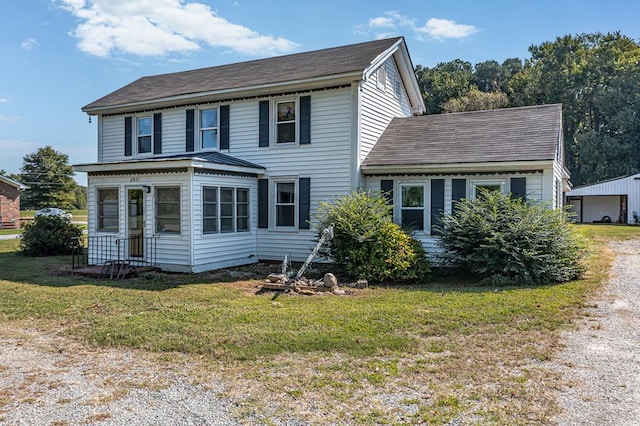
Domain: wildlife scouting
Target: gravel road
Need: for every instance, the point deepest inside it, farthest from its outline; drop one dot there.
(601, 361)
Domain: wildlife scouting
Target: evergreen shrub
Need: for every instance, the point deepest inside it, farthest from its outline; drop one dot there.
(366, 242)
(49, 236)
(503, 240)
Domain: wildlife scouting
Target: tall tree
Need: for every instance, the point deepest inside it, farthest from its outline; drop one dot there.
(596, 78)
(447, 80)
(50, 178)
(475, 100)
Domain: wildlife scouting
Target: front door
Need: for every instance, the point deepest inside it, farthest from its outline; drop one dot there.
(135, 222)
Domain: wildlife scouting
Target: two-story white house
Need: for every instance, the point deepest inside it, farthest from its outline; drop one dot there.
(224, 166)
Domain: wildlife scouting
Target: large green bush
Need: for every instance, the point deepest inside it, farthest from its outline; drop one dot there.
(505, 240)
(366, 242)
(49, 236)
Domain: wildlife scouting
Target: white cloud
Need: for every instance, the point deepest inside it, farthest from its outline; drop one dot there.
(8, 118)
(445, 28)
(29, 44)
(162, 27)
(393, 23)
(3, 100)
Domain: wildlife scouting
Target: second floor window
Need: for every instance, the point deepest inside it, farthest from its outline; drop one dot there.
(285, 122)
(209, 128)
(145, 132)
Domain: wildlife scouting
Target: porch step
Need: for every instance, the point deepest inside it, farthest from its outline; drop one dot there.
(117, 270)
(9, 225)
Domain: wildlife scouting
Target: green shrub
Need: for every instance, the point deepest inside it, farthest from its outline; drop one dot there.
(48, 236)
(496, 236)
(366, 242)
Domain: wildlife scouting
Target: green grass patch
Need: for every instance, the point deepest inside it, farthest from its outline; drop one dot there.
(461, 347)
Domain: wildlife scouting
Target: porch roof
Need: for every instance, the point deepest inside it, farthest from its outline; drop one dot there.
(202, 160)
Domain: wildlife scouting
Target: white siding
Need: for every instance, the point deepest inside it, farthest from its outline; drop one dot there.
(112, 138)
(212, 251)
(173, 131)
(379, 107)
(534, 192)
(326, 161)
(173, 251)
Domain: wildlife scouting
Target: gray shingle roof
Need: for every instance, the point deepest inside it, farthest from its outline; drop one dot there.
(335, 61)
(510, 134)
(210, 157)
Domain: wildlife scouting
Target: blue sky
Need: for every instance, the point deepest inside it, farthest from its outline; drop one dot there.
(59, 55)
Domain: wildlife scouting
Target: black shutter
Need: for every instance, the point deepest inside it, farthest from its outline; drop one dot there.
(437, 204)
(128, 130)
(519, 188)
(305, 120)
(263, 123)
(190, 136)
(263, 203)
(458, 192)
(224, 127)
(304, 203)
(157, 133)
(386, 186)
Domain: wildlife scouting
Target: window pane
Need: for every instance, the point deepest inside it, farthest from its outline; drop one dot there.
(144, 126)
(243, 210)
(286, 111)
(226, 210)
(487, 188)
(226, 224)
(226, 195)
(208, 118)
(209, 138)
(412, 196)
(168, 210)
(413, 219)
(144, 144)
(210, 226)
(285, 215)
(286, 133)
(108, 210)
(210, 195)
(243, 224)
(286, 193)
(243, 196)
(210, 210)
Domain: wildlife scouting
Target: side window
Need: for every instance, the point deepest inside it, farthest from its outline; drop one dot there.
(285, 204)
(145, 128)
(227, 201)
(108, 210)
(488, 186)
(209, 128)
(225, 210)
(381, 78)
(286, 121)
(168, 210)
(412, 207)
(209, 210)
(242, 210)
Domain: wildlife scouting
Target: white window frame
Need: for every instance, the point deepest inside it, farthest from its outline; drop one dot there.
(99, 203)
(381, 78)
(295, 121)
(489, 182)
(156, 217)
(201, 129)
(138, 135)
(216, 216)
(295, 203)
(424, 204)
(234, 208)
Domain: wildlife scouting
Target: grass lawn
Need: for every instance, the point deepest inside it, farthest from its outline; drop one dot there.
(427, 353)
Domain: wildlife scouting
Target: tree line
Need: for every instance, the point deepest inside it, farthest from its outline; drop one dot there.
(595, 76)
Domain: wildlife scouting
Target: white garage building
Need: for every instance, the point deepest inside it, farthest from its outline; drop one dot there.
(616, 201)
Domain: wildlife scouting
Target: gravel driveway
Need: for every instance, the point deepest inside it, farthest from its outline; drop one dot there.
(601, 361)
(52, 380)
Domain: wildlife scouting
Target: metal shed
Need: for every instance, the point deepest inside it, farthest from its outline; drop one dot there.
(615, 201)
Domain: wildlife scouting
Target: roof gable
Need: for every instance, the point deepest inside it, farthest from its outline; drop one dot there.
(500, 135)
(13, 183)
(339, 62)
